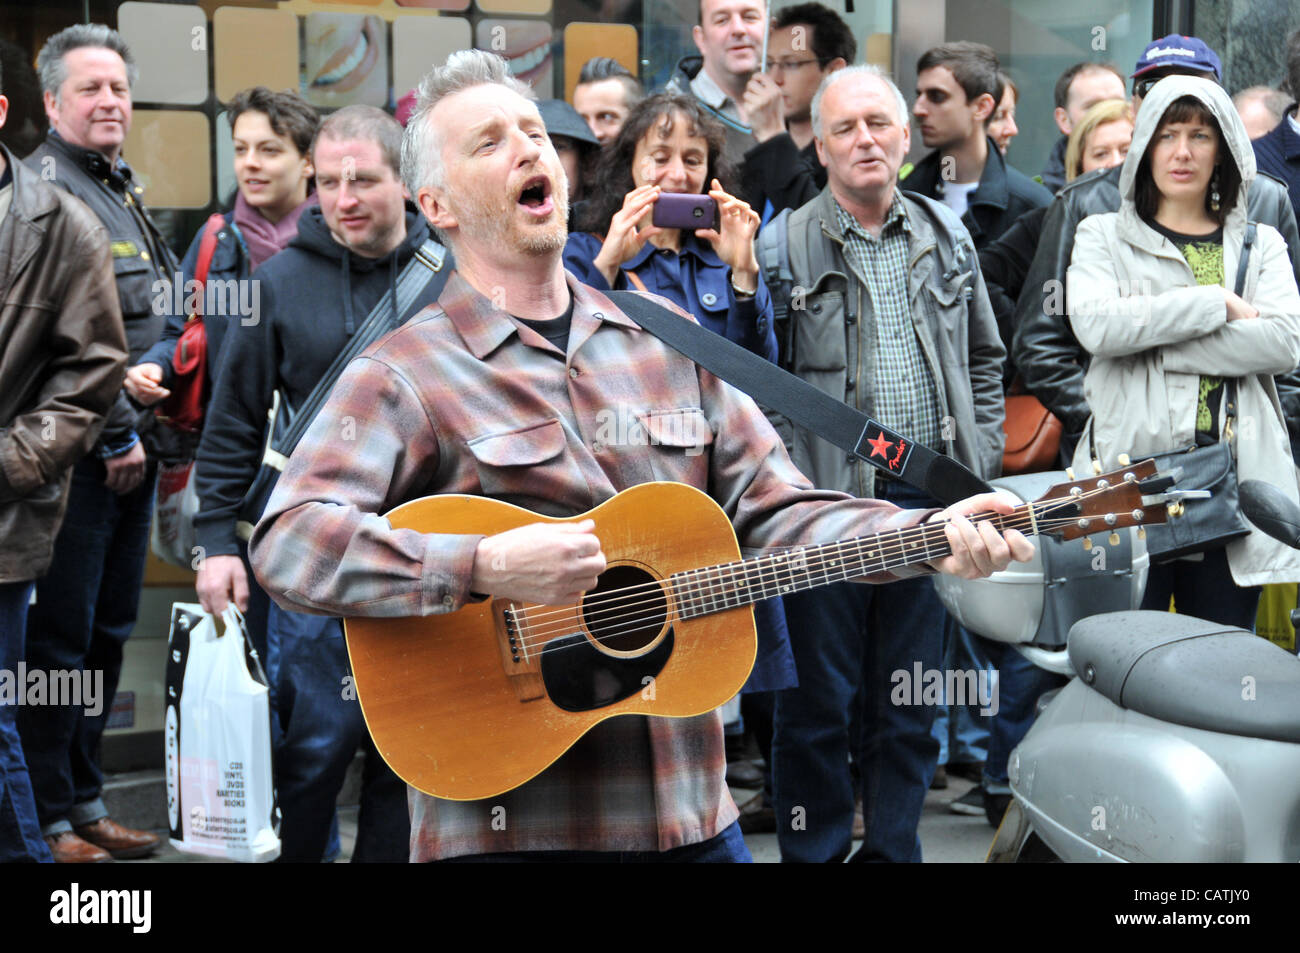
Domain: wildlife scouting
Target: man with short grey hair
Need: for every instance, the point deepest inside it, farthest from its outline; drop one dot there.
(1261, 108)
(498, 392)
(86, 604)
(888, 313)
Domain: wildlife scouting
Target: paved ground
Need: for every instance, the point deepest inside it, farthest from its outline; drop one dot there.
(945, 837)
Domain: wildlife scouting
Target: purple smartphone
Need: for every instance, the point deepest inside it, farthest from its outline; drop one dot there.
(677, 210)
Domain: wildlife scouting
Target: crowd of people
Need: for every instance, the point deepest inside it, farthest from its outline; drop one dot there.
(481, 254)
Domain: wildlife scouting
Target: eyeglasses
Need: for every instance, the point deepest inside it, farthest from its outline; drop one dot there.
(788, 66)
(1143, 86)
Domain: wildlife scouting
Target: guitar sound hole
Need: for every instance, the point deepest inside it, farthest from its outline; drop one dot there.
(625, 621)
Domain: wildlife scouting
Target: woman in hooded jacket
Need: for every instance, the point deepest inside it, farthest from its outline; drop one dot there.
(1150, 297)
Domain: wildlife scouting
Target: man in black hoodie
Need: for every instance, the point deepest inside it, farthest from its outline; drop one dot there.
(314, 296)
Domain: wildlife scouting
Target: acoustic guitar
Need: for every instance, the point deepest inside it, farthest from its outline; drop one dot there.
(470, 704)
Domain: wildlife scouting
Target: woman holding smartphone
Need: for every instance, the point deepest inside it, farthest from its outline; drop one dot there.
(670, 149)
(669, 146)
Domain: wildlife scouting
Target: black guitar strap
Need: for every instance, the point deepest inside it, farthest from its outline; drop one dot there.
(846, 427)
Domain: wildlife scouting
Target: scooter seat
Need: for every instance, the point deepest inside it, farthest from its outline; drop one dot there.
(1190, 672)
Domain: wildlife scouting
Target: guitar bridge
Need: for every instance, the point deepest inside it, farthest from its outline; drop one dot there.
(519, 660)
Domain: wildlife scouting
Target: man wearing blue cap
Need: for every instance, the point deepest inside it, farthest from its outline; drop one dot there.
(1044, 347)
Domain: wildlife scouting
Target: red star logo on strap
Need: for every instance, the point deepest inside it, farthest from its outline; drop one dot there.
(880, 447)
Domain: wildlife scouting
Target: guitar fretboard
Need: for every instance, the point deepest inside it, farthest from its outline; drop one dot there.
(731, 585)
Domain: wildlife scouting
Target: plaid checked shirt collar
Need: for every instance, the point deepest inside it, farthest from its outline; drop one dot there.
(485, 327)
(896, 224)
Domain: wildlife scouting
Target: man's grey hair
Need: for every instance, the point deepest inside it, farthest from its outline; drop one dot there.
(49, 61)
(1275, 101)
(870, 69)
(422, 143)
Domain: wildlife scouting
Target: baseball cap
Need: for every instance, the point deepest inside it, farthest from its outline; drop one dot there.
(1184, 52)
(563, 120)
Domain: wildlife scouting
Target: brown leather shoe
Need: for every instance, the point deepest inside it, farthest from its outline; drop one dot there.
(122, 842)
(68, 848)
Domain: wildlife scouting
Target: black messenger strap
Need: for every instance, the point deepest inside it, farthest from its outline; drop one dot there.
(424, 268)
(870, 441)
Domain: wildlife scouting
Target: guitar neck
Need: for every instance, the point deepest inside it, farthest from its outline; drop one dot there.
(730, 585)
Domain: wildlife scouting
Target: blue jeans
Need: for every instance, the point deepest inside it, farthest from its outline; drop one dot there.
(962, 732)
(322, 731)
(1020, 683)
(726, 847)
(20, 832)
(845, 636)
(85, 609)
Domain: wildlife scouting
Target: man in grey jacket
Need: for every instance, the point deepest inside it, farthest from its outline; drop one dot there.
(888, 313)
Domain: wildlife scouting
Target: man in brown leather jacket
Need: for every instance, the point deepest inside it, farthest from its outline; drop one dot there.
(62, 360)
(86, 605)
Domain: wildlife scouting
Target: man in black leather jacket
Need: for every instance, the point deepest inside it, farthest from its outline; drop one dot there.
(86, 605)
(1049, 358)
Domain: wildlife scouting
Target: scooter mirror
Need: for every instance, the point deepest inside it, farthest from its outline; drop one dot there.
(1269, 509)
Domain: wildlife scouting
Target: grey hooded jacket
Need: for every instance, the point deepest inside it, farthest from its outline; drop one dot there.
(1153, 332)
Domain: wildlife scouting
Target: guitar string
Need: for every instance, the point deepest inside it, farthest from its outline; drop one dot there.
(826, 552)
(607, 610)
(534, 630)
(539, 624)
(533, 639)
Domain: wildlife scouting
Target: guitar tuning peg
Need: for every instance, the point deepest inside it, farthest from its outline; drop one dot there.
(1069, 473)
(1114, 539)
(1123, 459)
(1096, 466)
(1087, 542)
(1142, 532)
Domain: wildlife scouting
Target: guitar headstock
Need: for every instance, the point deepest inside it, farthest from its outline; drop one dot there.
(1101, 504)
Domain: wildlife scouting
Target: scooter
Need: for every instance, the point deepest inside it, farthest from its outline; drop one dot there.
(1179, 740)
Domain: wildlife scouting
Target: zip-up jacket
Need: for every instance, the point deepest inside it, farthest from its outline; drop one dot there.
(834, 331)
(62, 361)
(140, 259)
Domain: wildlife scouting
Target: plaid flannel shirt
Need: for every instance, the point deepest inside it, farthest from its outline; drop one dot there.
(463, 399)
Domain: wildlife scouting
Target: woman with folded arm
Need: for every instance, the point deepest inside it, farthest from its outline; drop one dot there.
(1150, 297)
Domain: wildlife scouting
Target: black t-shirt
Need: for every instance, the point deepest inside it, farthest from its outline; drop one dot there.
(555, 330)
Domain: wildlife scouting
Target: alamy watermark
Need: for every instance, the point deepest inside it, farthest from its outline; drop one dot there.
(623, 426)
(932, 686)
(62, 687)
(218, 297)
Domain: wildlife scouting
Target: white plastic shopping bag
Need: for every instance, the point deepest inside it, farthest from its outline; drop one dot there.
(220, 794)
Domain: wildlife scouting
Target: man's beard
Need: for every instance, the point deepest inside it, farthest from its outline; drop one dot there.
(493, 222)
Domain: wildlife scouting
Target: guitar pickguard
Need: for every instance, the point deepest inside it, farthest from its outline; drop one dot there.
(579, 677)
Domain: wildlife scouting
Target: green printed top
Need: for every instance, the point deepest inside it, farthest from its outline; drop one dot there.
(1204, 254)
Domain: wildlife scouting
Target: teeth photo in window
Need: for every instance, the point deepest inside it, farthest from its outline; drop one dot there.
(526, 46)
(346, 60)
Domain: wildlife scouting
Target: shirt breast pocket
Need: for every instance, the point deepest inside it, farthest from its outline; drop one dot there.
(679, 442)
(134, 280)
(952, 298)
(819, 333)
(531, 467)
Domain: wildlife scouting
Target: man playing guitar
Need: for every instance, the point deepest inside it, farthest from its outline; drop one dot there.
(499, 391)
